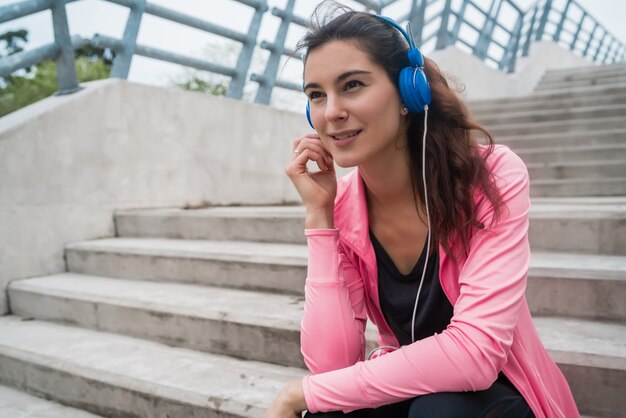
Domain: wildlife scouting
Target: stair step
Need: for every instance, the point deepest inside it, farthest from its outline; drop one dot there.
(16, 404)
(554, 85)
(577, 285)
(607, 186)
(592, 356)
(253, 223)
(561, 114)
(239, 264)
(588, 228)
(241, 323)
(582, 227)
(549, 154)
(114, 375)
(574, 93)
(595, 70)
(563, 139)
(574, 169)
(532, 103)
(558, 127)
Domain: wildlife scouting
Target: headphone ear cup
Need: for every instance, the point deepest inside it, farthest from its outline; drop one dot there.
(414, 89)
(308, 114)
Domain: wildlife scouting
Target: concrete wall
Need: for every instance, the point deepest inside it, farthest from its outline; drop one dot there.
(482, 82)
(67, 163)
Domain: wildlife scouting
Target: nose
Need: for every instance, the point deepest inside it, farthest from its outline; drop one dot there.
(335, 109)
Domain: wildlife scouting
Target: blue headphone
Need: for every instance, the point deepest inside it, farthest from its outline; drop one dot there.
(412, 81)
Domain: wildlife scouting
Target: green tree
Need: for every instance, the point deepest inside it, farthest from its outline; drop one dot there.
(198, 84)
(20, 90)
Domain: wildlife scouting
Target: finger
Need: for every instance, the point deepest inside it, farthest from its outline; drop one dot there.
(301, 159)
(298, 140)
(317, 146)
(317, 157)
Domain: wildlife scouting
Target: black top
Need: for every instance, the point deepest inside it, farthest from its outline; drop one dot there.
(397, 293)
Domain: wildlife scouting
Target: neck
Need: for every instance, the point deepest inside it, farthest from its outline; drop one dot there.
(387, 181)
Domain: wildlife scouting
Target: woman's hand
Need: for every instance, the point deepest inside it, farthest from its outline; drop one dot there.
(289, 403)
(317, 189)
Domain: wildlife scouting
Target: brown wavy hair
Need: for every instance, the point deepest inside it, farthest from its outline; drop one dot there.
(455, 167)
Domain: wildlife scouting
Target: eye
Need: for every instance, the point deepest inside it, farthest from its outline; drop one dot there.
(352, 84)
(315, 95)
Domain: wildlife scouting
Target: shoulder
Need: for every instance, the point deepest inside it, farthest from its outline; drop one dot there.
(506, 168)
(510, 177)
(502, 159)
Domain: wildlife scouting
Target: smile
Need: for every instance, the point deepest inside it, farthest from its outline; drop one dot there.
(344, 138)
(350, 135)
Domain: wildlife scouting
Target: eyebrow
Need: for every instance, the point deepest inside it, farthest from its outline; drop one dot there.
(340, 78)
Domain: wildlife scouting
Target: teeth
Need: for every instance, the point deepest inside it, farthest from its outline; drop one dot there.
(346, 136)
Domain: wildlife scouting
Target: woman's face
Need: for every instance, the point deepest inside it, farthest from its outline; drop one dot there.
(355, 108)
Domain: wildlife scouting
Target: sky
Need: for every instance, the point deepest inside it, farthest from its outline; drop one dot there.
(87, 17)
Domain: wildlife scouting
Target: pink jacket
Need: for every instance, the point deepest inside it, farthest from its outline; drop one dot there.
(491, 329)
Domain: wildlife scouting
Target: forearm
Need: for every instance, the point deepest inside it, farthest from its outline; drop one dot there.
(332, 328)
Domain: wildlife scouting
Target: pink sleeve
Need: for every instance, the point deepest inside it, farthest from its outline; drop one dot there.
(333, 326)
(468, 355)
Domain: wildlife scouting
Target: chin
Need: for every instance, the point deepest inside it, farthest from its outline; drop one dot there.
(345, 162)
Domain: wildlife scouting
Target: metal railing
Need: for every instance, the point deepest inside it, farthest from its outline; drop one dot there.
(63, 46)
(498, 35)
(448, 23)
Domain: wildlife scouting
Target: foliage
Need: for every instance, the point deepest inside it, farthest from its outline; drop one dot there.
(22, 91)
(198, 84)
(40, 81)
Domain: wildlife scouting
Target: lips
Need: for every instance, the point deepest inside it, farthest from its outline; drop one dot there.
(342, 135)
(343, 138)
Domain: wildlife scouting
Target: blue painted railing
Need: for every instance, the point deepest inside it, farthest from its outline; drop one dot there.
(498, 35)
(63, 46)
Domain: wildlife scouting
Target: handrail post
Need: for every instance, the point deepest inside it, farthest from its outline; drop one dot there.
(235, 88)
(264, 93)
(593, 32)
(416, 17)
(121, 66)
(595, 56)
(443, 36)
(458, 21)
(66, 70)
(544, 19)
(580, 25)
(510, 56)
(482, 44)
(529, 34)
(559, 28)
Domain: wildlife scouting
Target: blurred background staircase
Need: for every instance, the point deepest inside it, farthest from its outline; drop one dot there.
(195, 313)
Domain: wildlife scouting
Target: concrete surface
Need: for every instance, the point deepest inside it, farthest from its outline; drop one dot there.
(248, 265)
(115, 375)
(16, 404)
(592, 226)
(211, 319)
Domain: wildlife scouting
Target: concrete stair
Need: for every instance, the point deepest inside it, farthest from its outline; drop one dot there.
(571, 132)
(195, 313)
(230, 304)
(16, 404)
(589, 76)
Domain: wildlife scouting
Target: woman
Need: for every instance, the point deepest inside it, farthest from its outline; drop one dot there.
(455, 333)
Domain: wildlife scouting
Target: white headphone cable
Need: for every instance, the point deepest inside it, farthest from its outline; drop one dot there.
(419, 289)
